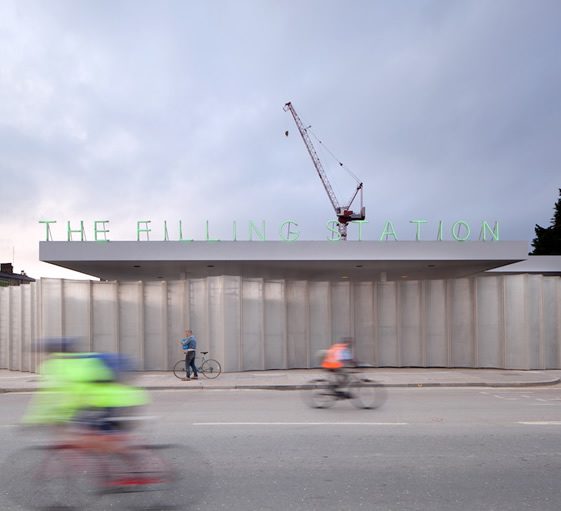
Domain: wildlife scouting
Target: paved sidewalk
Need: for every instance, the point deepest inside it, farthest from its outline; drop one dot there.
(292, 379)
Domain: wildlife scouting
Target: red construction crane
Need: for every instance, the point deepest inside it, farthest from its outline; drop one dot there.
(344, 213)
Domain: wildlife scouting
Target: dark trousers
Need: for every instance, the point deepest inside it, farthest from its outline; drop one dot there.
(338, 379)
(190, 364)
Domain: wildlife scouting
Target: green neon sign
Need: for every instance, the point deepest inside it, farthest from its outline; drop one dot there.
(288, 231)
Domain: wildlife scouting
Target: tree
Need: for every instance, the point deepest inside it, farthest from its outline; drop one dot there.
(548, 239)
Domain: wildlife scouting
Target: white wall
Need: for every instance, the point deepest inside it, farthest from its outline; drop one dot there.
(511, 321)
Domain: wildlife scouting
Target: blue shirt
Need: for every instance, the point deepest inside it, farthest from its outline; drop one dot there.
(189, 343)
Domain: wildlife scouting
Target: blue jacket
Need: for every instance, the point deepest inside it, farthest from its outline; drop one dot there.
(189, 343)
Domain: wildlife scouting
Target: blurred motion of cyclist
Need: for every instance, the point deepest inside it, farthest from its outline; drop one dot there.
(337, 359)
(84, 391)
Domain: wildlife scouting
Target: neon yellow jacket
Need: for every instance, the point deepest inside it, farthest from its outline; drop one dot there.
(74, 382)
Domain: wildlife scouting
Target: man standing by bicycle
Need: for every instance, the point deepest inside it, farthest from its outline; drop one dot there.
(189, 346)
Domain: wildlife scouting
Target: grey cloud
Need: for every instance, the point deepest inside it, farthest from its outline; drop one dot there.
(445, 110)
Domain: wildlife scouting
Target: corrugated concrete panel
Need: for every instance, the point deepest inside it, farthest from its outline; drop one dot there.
(461, 323)
(27, 300)
(230, 354)
(516, 325)
(435, 324)
(199, 312)
(297, 323)
(175, 320)
(489, 325)
(104, 316)
(551, 327)
(155, 338)
(15, 328)
(4, 327)
(217, 333)
(51, 308)
(274, 341)
(252, 322)
(77, 304)
(365, 323)
(320, 319)
(14, 346)
(131, 320)
(388, 333)
(511, 321)
(534, 321)
(342, 308)
(410, 324)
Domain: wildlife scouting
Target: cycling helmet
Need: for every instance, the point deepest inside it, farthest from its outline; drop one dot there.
(58, 344)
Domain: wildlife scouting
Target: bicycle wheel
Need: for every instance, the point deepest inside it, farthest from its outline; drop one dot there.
(365, 393)
(318, 394)
(179, 369)
(143, 478)
(51, 478)
(211, 368)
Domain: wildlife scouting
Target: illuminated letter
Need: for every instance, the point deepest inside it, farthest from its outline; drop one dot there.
(335, 234)
(418, 222)
(439, 235)
(103, 229)
(48, 230)
(290, 236)
(252, 228)
(145, 229)
(388, 231)
(360, 222)
(486, 227)
(208, 238)
(456, 230)
(80, 230)
(181, 233)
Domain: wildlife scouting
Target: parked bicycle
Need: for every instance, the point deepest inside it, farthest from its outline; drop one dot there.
(361, 391)
(208, 367)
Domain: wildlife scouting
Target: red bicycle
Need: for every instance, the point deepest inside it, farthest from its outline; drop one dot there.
(72, 475)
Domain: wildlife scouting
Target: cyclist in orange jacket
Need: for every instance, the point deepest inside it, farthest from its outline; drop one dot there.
(337, 359)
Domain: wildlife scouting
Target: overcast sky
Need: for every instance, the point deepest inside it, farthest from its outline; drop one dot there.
(169, 111)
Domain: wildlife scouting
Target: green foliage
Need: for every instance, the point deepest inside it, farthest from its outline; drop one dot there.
(548, 239)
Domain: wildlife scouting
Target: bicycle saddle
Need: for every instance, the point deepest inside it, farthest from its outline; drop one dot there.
(204, 352)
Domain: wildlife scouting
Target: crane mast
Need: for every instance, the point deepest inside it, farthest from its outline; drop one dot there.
(344, 213)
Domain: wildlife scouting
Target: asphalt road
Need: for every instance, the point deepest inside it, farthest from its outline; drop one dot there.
(426, 449)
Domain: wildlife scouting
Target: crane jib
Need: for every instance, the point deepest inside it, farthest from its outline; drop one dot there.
(344, 213)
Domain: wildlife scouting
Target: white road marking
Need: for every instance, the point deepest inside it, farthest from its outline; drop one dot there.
(540, 423)
(300, 423)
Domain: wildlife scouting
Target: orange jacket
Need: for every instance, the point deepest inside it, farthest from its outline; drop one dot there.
(334, 357)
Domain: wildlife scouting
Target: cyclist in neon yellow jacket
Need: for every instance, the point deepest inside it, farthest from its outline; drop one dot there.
(77, 384)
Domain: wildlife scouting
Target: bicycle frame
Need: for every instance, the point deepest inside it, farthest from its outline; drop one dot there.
(201, 360)
(362, 392)
(208, 367)
(73, 472)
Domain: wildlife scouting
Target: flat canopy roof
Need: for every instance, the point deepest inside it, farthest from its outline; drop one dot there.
(307, 260)
(543, 264)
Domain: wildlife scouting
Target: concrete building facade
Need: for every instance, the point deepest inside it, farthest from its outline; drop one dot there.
(274, 305)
